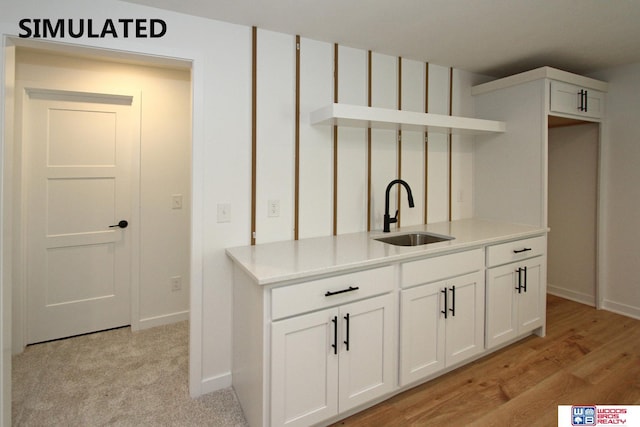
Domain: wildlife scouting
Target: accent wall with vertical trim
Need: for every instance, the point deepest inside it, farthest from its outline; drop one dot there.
(323, 189)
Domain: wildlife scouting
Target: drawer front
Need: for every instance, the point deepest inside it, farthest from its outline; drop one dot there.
(316, 294)
(516, 250)
(441, 267)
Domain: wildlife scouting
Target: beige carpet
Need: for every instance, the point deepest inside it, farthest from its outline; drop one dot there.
(115, 378)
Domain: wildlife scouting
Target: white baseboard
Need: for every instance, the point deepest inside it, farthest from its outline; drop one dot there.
(625, 310)
(580, 297)
(211, 384)
(165, 319)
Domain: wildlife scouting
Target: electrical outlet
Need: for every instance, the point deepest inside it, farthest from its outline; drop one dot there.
(176, 283)
(273, 208)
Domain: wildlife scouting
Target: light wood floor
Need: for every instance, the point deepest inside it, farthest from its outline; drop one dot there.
(588, 357)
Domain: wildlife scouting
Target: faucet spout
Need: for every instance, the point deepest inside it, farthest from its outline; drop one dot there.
(387, 218)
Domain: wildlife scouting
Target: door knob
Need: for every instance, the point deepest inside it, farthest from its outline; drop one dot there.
(121, 224)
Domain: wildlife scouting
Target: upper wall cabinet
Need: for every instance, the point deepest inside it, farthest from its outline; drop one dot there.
(510, 168)
(569, 95)
(384, 118)
(576, 100)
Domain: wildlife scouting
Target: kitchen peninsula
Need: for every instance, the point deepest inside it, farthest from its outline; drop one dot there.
(325, 327)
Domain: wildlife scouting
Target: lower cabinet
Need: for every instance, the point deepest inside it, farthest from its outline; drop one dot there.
(307, 352)
(516, 291)
(441, 324)
(330, 361)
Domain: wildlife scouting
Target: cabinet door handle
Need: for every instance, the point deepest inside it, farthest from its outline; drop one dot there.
(519, 251)
(519, 288)
(525, 279)
(346, 342)
(453, 301)
(446, 304)
(349, 289)
(586, 101)
(581, 106)
(335, 334)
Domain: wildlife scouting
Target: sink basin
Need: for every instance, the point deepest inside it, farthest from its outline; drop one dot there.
(414, 239)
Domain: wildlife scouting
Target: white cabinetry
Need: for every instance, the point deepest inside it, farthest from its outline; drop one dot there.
(311, 348)
(576, 100)
(510, 169)
(306, 352)
(441, 323)
(330, 361)
(516, 291)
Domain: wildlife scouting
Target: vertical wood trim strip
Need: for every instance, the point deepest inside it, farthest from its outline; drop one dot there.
(450, 144)
(399, 138)
(426, 144)
(254, 129)
(296, 190)
(369, 143)
(335, 142)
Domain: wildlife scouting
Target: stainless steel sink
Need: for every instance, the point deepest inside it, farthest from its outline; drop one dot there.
(414, 239)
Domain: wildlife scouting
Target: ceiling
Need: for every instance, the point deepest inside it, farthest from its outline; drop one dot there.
(492, 37)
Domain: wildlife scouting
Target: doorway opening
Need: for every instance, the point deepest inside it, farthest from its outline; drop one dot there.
(160, 199)
(574, 147)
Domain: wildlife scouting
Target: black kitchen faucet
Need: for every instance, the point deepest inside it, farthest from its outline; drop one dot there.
(387, 219)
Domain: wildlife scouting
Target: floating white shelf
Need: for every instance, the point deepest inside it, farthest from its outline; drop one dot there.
(384, 118)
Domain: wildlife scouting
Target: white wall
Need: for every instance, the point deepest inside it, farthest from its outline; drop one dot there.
(275, 135)
(7, 92)
(221, 173)
(165, 169)
(620, 158)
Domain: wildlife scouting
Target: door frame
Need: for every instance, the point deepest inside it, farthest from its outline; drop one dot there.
(600, 196)
(20, 257)
(154, 55)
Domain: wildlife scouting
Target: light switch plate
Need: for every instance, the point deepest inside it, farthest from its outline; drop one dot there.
(176, 201)
(273, 208)
(224, 212)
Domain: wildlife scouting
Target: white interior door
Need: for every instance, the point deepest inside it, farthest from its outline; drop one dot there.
(78, 151)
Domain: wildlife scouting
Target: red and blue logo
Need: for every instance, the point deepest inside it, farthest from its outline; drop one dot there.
(583, 415)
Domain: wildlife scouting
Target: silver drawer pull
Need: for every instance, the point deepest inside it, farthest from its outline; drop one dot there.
(350, 289)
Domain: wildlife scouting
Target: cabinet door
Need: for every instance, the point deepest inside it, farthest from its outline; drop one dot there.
(576, 100)
(304, 369)
(367, 355)
(512, 312)
(532, 302)
(422, 329)
(465, 318)
(501, 308)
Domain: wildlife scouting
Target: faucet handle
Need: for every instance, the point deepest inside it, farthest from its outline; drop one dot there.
(393, 220)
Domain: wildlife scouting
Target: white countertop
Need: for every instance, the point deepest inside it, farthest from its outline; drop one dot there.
(285, 261)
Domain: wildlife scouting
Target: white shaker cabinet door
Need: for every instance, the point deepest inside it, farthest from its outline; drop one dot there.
(515, 300)
(575, 100)
(304, 371)
(465, 317)
(442, 324)
(502, 311)
(422, 332)
(368, 351)
(532, 300)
